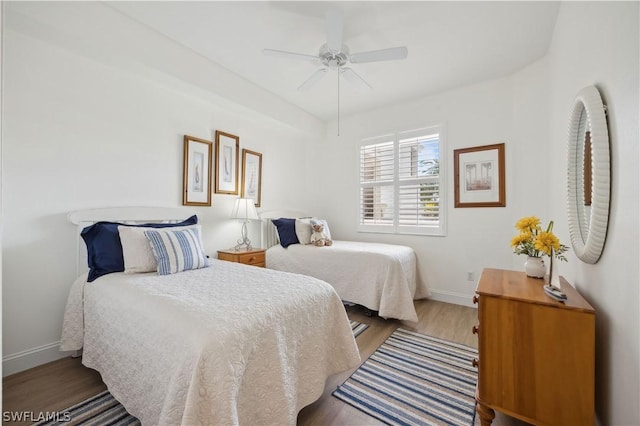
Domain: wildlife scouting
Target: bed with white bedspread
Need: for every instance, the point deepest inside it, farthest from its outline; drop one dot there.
(381, 277)
(226, 344)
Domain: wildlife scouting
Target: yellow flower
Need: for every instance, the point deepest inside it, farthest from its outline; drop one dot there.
(528, 223)
(545, 241)
(533, 241)
(520, 238)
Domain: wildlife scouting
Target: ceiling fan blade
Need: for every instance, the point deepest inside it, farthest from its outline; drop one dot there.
(313, 79)
(334, 30)
(389, 54)
(353, 77)
(292, 55)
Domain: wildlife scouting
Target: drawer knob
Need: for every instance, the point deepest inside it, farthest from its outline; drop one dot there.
(252, 259)
(475, 299)
(474, 329)
(475, 363)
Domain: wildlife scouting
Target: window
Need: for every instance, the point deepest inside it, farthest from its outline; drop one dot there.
(401, 188)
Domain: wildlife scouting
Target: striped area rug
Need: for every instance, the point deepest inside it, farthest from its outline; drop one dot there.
(414, 379)
(103, 409)
(357, 327)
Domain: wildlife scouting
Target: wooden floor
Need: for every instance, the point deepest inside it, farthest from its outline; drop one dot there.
(60, 384)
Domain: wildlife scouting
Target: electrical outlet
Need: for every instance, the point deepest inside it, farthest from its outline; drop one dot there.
(470, 276)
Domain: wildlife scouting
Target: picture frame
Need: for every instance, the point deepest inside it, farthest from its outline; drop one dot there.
(479, 176)
(227, 161)
(251, 176)
(197, 171)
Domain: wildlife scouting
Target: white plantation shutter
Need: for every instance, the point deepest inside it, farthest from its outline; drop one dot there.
(377, 162)
(377, 170)
(400, 183)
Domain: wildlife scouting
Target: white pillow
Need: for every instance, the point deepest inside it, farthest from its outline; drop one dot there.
(177, 250)
(304, 230)
(325, 224)
(136, 248)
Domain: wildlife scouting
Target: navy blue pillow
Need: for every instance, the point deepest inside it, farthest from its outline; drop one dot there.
(286, 231)
(104, 249)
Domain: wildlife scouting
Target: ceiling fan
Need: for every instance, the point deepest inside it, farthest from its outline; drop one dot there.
(335, 55)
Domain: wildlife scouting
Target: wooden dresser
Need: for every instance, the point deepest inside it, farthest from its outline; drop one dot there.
(536, 355)
(255, 257)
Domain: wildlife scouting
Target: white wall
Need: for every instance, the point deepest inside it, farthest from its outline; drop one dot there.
(482, 114)
(597, 43)
(82, 132)
(594, 43)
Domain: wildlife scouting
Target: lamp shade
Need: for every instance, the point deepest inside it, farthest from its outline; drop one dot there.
(244, 209)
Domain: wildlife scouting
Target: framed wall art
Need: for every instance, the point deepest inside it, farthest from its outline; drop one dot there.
(479, 176)
(251, 176)
(196, 178)
(227, 147)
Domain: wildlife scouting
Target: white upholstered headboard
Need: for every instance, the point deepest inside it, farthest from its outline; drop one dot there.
(130, 215)
(269, 234)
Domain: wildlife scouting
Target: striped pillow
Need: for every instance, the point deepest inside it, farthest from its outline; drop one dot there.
(177, 250)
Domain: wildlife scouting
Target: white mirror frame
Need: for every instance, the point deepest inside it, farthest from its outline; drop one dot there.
(589, 250)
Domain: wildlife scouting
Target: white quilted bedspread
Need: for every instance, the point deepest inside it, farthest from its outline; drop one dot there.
(228, 344)
(382, 277)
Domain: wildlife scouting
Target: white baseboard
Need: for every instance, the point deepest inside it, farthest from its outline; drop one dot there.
(30, 358)
(455, 298)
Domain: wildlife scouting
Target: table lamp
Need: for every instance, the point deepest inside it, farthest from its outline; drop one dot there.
(244, 210)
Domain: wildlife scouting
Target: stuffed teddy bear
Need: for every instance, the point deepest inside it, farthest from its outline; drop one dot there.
(320, 238)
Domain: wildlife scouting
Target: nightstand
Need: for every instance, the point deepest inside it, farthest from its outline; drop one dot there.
(254, 257)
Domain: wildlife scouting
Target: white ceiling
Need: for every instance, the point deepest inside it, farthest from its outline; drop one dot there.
(451, 44)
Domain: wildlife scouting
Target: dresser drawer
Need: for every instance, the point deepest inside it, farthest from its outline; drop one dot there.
(256, 258)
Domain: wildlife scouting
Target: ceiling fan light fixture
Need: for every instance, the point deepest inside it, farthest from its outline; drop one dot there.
(331, 59)
(334, 55)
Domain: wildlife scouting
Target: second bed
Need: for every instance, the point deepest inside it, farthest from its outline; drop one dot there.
(380, 277)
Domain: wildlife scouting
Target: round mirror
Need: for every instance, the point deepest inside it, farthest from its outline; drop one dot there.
(588, 175)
